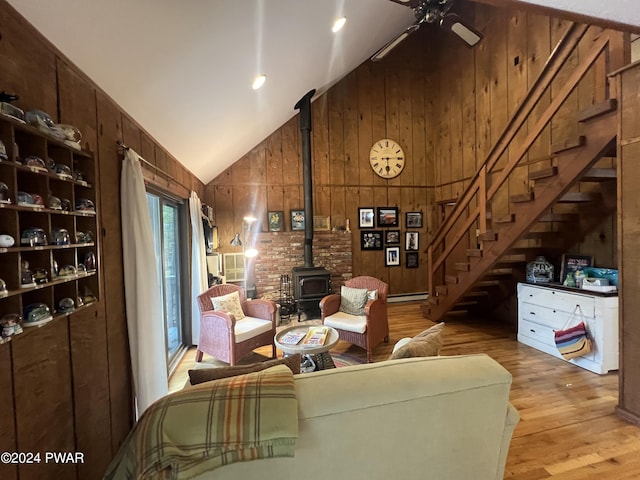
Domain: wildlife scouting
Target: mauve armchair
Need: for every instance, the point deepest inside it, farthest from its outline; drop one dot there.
(365, 331)
(227, 339)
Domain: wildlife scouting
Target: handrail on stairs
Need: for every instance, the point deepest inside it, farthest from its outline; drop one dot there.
(478, 184)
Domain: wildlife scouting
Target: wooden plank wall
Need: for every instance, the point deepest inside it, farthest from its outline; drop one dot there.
(629, 240)
(446, 106)
(67, 386)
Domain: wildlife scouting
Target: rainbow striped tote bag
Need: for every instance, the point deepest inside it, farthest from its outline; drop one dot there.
(573, 341)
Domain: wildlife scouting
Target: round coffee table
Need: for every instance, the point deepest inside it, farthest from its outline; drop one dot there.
(306, 351)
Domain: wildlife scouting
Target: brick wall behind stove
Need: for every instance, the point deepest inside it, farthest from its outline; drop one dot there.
(281, 251)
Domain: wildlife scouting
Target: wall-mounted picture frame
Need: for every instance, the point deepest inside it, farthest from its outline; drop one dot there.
(392, 237)
(275, 220)
(297, 220)
(413, 220)
(392, 257)
(366, 217)
(412, 260)
(571, 263)
(371, 240)
(387, 217)
(411, 241)
(321, 222)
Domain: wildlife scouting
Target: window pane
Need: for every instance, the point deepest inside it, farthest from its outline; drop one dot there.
(172, 277)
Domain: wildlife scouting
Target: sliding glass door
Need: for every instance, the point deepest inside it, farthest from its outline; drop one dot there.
(167, 219)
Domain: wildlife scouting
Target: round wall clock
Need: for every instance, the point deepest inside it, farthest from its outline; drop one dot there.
(386, 158)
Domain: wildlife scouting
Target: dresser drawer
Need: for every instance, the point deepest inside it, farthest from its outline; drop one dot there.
(558, 300)
(550, 317)
(545, 335)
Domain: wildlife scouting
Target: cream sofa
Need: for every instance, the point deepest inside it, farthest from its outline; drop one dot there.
(441, 418)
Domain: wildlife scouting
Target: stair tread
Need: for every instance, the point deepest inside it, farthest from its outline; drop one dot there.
(598, 109)
(579, 197)
(600, 175)
(543, 173)
(522, 197)
(559, 217)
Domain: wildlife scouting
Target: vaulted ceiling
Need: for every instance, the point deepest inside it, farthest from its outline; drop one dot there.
(183, 70)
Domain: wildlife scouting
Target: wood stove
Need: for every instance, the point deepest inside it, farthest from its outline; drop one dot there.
(310, 283)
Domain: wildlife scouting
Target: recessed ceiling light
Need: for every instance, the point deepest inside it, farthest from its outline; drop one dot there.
(259, 81)
(338, 24)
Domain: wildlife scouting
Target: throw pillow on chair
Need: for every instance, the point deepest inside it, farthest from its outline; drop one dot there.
(426, 344)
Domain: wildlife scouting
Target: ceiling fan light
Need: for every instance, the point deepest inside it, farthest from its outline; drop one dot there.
(338, 24)
(259, 81)
(465, 33)
(384, 51)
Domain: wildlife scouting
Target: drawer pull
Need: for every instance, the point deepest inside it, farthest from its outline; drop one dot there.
(532, 330)
(532, 313)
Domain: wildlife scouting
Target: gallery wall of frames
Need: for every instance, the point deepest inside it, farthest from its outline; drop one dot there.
(380, 229)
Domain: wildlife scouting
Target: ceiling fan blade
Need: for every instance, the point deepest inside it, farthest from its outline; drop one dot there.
(408, 3)
(380, 54)
(465, 31)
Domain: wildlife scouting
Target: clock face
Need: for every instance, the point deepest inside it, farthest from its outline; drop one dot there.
(386, 158)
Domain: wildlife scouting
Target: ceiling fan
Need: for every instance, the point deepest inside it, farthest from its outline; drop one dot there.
(432, 11)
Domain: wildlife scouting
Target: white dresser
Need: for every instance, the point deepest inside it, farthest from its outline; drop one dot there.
(544, 309)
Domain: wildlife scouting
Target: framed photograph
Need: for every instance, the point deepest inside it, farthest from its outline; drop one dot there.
(571, 263)
(392, 257)
(413, 220)
(321, 223)
(392, 237)
(366, 216)
(387, 217)
(371, 240)
(297, 220)
(411, 241)
(276, 221)
(412, 260)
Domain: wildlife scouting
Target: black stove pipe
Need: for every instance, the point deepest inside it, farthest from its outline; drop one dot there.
(304, 105)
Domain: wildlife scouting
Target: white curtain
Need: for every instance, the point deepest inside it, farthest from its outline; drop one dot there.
(198, 264)
(142, 291)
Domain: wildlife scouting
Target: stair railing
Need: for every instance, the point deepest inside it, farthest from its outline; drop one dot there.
(478, 189)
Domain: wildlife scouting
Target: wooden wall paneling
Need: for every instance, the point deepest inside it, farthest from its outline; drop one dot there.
(273, 157)
(223, 199)
(375, 263)
(408, 203)
(148, 150)
(77, 104)
(350, 125)
(275, 198)
(161, 159)
(517, 91)
(293, 200)
(468, 84)
(365, 123)
(456, 72)
(406, 126)
(131, 134)
(538, 50)
(392, 118)
(363, 198)
(258, 164)
(322, 200)
(320, 141)
(443, 147)
(378, 111)
(240, 171)
(335, 97)
(249, 200)
(483, 96)
(29, 64)
(110, 167)
(417, 162)
(337, 207)
(564, 126)
(291, 159)
(431, 126)
(44, 398)
(628, 214)
(8, 441)
(90, 368)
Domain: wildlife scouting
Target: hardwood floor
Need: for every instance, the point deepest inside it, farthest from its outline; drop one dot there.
(568, 429)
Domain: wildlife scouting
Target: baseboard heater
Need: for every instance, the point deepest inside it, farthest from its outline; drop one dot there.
(407, 297)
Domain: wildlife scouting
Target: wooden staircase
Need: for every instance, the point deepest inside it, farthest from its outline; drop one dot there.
(550, 217)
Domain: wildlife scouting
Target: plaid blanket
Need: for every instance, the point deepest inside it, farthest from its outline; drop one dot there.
(210, 425)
